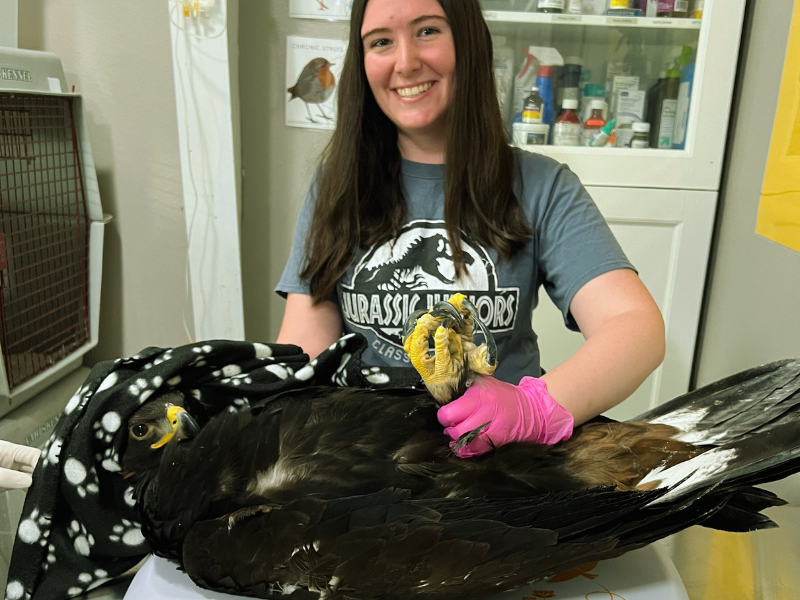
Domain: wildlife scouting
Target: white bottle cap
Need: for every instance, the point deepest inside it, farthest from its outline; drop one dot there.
(623, 121)
(641, 127)
(570, 104)
(533, 88)
(599, 104)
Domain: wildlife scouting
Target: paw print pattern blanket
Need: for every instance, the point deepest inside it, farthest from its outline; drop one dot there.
(79, 526)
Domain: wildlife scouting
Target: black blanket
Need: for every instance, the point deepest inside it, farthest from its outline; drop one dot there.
(79, 527)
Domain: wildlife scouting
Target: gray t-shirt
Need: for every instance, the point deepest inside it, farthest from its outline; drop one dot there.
(572, 244)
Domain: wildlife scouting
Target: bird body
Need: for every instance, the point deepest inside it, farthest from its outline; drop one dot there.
(315, 85)
(329, 492)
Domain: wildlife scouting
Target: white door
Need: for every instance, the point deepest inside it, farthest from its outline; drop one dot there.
(666, 234)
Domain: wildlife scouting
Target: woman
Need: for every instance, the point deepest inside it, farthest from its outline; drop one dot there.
(390, 233)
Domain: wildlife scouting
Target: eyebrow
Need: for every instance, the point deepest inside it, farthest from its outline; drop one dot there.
(414, 22)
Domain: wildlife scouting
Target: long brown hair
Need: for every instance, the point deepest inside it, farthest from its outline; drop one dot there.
(360, 201)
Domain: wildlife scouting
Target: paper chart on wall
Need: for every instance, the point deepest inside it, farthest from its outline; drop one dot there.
(313, 68)
(330, 10)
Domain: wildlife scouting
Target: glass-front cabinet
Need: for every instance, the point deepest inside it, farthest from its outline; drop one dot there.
(640, 87)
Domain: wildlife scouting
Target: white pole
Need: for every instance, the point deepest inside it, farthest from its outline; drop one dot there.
(207, 106)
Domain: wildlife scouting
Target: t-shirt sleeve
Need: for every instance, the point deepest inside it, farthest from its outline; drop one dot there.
(575, 244)
(291, 282)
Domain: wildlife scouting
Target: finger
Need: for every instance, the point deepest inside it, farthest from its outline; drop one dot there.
(28, 456)
(458, 410)
(14, 479)
(480, 445)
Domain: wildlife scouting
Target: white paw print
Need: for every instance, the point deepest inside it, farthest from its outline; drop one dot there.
(35, 529)
(262, 351)
(76, 474)
(280, 370)
(239, 405)
(51, 451)
(128, 497)
(88, 581)
(200, 350)
(82, 540)
(340, 377)
(105, 428)
(78, 400)
(109, 460)
(128, 532)
(15, 591)
(143, 389)
(305, 373)
(51, 557)
(375, 375)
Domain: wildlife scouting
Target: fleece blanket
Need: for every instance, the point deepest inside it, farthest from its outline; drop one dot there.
(79, 527)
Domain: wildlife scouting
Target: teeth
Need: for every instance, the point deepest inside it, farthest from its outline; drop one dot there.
(414, 91)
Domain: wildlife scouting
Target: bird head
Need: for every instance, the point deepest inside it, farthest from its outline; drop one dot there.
(162, 422)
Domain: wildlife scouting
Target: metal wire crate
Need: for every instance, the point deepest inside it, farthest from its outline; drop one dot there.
(44, 235)
(51, 228)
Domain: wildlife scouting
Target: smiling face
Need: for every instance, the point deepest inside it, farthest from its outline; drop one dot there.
(410, 62)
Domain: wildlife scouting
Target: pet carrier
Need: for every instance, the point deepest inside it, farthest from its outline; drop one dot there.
(51, 227)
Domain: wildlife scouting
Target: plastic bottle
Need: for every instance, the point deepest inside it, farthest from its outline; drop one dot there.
(544, 82)
(575, 7)
(594, 123)
(567, 129)
(591, 91)
(602, 137)
(523, 82)
(570, 80)
(666, 109)
(697, 12)
(641, 135)
(673, 8)
(533, 111)
(550, 6)
(624, 132)
(684, 103)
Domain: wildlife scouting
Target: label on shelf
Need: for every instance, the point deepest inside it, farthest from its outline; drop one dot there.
(621, 20)
(567, 18)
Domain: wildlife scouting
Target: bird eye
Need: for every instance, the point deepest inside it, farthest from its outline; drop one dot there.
(140, 430)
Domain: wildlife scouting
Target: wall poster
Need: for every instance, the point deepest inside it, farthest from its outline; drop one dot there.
(331, 10)
(313, 67)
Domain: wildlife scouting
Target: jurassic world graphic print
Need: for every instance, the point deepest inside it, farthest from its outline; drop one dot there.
(414, 271)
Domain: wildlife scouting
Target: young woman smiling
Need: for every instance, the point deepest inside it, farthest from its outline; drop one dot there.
(419, 195)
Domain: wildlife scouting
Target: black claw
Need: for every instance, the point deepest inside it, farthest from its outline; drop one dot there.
(445, 309)
(411, 323)
(469, 436)
(491, 346)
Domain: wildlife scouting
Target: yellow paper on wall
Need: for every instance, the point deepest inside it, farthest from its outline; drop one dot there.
(779, 210)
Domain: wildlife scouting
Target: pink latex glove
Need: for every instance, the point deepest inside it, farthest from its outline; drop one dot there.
(518, 413)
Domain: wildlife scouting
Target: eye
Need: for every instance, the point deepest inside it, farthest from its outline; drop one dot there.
(140, 430)
(381, 43)
(426, 31)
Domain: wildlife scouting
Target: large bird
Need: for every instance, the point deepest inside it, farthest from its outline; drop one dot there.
(340, 493)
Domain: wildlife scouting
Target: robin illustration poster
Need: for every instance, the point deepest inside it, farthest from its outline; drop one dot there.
(313, 67)
(332, 10)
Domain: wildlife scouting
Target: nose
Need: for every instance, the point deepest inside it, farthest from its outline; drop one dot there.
(407, 58)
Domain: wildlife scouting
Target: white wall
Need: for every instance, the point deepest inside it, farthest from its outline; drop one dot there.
(278, 161)
(117, 54)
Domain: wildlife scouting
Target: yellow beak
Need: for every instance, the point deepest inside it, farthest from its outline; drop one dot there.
(172, 416)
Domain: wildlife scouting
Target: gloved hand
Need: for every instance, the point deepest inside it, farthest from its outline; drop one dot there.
(516, 413)
(16, 464)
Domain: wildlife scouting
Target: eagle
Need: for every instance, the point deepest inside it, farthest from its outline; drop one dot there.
(327, 492)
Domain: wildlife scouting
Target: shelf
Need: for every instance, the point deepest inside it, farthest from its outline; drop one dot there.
(501, 16)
